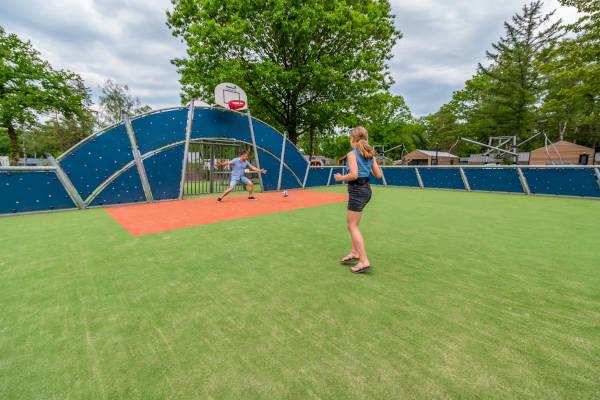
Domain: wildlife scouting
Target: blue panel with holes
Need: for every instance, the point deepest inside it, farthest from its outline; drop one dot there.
(317, 176)
(126, 188)
(562, 181)
(295, 160)
(91, 164)
(441, 178)
(32, 191)
(161, 129)
(271, 164)
(220, 124)
(164, 173)
(336, 170)
(396, 176)
(494, 179)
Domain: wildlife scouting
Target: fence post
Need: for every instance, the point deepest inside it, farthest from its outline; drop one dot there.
(306, 175)
(419, 178)
(260, 180)
(383, 177)
(66, 182)
(281, 161)
(523, 181)
(465, 180)
(597, 171)
(186, 148)
(137, 157)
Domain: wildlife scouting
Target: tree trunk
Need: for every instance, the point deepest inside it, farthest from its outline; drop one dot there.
(13, 153)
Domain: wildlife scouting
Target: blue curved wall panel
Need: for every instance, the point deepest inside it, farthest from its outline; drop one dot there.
(442, 178)
(164, 173)
(294, 159)
(161, 129)
(271, 164)
(494, 179)
(562, 181)
(32, 191)
(336, 170)
(126, 188)
(210, 123)
(400, 177)
(91, 164)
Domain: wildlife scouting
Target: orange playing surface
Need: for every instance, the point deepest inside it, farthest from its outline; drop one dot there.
(141, 219)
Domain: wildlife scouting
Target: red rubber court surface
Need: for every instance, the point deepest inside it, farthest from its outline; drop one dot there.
(142, 219)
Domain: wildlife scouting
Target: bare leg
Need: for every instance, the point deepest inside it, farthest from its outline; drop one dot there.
(225, 193)
(250, 188)
(358, 243)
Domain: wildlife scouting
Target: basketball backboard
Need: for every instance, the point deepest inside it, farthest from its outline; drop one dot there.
(230, 96)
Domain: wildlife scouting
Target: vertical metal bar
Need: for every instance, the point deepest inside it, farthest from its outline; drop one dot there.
(186, 147)
(515, 150)
(523, 181)
(419, 178)
(212, 167)
(305, 175)
(66, 182)
(262, 188)
(281, 160)
(137, 157)
(464, 179)
(329, 178)
(597, 171)
(383, 177)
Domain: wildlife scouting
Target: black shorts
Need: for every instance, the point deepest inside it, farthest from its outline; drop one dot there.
(359, 192)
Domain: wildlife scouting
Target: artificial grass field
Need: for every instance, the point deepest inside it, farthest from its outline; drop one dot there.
(472, 295)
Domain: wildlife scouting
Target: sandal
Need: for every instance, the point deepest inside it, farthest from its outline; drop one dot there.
(349, 259)
(361, 269)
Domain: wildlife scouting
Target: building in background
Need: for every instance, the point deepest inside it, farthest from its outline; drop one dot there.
(427, 157)
(568, 153)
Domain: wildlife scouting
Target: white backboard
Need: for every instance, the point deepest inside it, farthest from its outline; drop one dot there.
(225, 92)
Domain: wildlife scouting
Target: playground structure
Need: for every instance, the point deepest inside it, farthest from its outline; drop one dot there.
(151, 157)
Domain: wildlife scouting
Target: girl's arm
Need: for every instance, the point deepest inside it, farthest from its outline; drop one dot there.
(352, 165)
(375, 170)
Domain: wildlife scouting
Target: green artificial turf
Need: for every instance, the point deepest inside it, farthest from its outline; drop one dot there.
(472, 295)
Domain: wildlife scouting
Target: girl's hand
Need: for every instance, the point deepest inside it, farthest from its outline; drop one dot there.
(337, 176)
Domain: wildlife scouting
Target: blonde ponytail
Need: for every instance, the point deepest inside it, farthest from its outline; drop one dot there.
(361, 137)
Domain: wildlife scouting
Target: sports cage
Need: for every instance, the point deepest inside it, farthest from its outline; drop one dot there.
(166, 154)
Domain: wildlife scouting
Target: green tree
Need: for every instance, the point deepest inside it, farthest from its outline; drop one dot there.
(30, 87)
(573, 98)
(301, 63)
(516, 83)
(114, 99)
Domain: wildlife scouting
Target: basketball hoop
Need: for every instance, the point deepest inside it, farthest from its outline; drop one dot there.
(236, 104)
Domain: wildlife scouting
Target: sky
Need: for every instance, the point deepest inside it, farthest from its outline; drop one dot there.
(128, 41)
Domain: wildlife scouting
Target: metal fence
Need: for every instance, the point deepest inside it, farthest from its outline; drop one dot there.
(545, 180)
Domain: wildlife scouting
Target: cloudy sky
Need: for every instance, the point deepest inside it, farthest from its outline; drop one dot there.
(127, 41)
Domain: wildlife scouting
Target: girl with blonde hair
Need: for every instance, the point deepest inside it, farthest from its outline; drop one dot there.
(359, 166)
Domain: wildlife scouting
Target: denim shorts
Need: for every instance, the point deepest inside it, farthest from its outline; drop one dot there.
(235, 182)
(359, 192)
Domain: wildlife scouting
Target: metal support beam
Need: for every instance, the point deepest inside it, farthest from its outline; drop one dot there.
(66, 182)
(597, 171)
(419, 178)
(262, 188)
(186, 148)
(523, 180)
(487, 145)
(464, 179)
(329, 178)
(306, 175)
(281, 161)
(383, 177)
(137, 157)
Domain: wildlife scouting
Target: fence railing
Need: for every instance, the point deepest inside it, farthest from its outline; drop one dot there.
(546, 180)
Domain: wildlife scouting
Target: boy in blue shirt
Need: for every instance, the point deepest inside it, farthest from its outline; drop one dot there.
(237, 174)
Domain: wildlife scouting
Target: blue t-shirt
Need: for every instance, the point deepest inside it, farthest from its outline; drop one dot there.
(237, 168)
(364, 166)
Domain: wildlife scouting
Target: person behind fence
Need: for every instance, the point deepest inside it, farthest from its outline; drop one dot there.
(237, 174)
(359, 166)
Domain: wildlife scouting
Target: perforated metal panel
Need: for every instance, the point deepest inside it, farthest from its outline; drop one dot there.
(32, 191)
(336, 170)
(442, 178)
(494, 179)
(161, 129)
(562, 181)
(126, 188)
(92, 163)
(400, 177)
(317, 176)
(271, 164)
(164, 173)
